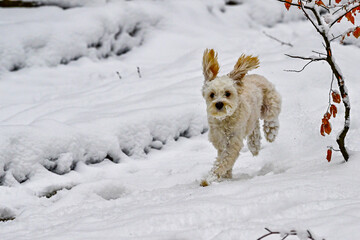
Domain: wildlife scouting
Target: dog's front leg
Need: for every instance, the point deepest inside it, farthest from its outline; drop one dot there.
(225, 160)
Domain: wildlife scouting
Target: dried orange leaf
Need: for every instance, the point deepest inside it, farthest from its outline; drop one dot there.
(350, 17)
(288, 4)
(327, 116)
(336, 97)
(327, 128)
(356, 33)
(333, 110)
(322, 130)
(320, 3)
(328, 155)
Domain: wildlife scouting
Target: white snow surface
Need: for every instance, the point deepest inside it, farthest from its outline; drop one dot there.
(85, 154)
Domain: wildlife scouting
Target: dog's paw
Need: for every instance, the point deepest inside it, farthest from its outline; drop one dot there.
(204, 183)
(209, 179)
(227, 175)
(271, 129)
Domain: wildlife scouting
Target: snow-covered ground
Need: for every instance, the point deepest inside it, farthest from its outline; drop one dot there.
(91, 150)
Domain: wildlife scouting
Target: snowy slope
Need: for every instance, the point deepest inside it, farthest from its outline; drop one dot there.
(87, 155)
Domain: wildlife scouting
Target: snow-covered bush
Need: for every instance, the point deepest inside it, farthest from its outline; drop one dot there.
(323, 23)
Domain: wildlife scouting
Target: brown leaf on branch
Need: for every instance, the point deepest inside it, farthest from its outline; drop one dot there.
(288, 4)
(333, 110)
(328, 155)
(356, 33)
(327, 116)
(322, 130)
(327, 128)
(350, 17)
(337, 1)
(319, 2)
(336, 97)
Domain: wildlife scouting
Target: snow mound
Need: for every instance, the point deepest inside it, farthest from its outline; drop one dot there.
(79, 145)
(278, 15)
(58, 147)
(95, 32)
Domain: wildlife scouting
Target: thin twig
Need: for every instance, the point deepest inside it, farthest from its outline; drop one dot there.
(324, 54)
(310, 59)
(332, 148)
(118, 74)
(273, 38)
(315, 59)
(287, 234)
(334, 38)
(330, 91)
(300, 69)
(138, 71)
(309, 18)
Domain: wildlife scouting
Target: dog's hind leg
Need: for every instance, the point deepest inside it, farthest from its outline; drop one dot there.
(270, 111)
(253, 140)
(271, 129)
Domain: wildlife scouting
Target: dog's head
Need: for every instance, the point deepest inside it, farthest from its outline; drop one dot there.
(222, 93)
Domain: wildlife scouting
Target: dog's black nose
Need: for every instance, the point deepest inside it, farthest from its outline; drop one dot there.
(219, 105)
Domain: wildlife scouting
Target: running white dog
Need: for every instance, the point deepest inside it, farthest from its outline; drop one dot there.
(235, 104)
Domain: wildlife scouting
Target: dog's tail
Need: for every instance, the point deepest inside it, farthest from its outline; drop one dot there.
(243, 65)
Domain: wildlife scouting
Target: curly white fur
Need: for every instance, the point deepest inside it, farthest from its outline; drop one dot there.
(234, 108)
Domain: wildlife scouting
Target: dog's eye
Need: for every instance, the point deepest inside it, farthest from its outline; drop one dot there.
(212, 95)
(227, 94)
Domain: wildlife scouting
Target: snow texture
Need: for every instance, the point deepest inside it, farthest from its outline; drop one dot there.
(85, 154)
(96, 32)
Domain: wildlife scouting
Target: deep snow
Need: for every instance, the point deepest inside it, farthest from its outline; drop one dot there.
(87, 155)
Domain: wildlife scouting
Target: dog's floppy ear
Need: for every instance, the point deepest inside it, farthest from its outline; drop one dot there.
(210, 64)
(243, 65)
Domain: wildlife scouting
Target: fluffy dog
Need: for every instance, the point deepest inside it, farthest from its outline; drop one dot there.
(235, 104)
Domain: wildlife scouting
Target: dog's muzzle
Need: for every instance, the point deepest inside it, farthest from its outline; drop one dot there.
(219, 105)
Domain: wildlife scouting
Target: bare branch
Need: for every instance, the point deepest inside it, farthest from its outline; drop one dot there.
(324, 54)
(309, 18)
(282, 43)
(314, 59)
(297, 71)
(138, 71)
(118, 74)
(287, 234)
(330, 91)
(292, 4)
(333, 149)
(334, 38)
(310, 59)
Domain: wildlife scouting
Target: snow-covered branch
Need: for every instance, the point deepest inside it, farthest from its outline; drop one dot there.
(322, 24)
(310, 59)
(343, 11)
